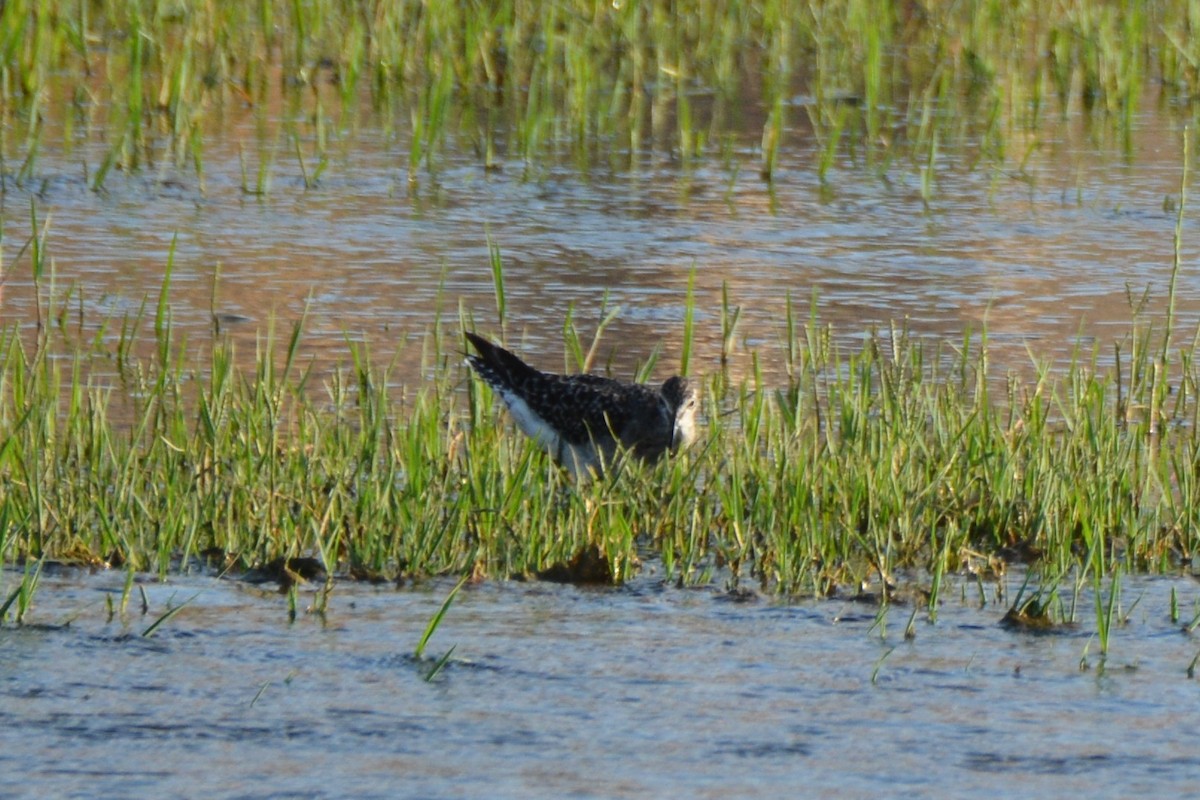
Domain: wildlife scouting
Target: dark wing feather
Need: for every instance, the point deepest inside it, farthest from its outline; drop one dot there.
(599, 409)
(581, 407)
(496, 363)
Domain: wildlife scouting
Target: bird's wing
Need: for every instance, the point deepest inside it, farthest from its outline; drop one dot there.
(580, 408)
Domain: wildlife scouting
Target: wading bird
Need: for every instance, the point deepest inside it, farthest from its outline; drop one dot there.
(584, 421)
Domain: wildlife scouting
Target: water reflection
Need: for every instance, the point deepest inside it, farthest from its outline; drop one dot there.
(1041, 255)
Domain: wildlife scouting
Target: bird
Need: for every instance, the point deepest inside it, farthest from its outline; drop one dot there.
(586, 421)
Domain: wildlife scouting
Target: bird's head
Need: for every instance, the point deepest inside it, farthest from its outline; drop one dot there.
(681, 400)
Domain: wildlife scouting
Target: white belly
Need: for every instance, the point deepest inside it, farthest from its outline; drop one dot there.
(579, 459)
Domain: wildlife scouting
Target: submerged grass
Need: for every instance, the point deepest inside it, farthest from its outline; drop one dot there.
(583, 82)
(907, 458)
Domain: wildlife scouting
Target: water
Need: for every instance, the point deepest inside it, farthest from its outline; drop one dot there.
(558, 691)
(637, 691)
(1041, 255)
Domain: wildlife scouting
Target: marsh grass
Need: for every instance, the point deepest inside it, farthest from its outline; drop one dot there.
(20, 598)
(907, 461)
(578, 82)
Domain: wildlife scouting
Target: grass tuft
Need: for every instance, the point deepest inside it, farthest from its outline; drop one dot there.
(908, 458)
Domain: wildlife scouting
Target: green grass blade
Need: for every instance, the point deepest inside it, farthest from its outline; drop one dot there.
(436, 620)
(171, 612)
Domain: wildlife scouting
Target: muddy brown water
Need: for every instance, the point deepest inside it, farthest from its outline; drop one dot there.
(560, 691)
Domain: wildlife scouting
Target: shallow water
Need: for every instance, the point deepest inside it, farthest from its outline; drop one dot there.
(631, 692)
(1041, 254)
(558, 691)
